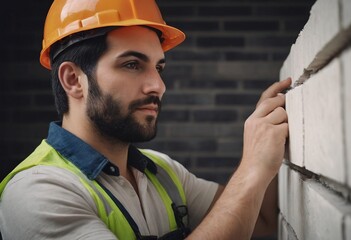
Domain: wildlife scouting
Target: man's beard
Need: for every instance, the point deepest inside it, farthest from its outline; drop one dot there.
(106, 115)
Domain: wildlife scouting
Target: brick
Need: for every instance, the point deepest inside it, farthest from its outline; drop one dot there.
(225, 11)
(174, 116)
(215, 115)
(285, 232)
(270, 41)
(237, 99)
(257, 84)
(346, 83)
(282, 228)
(220, 42)
(191, 55)
(218, 161)
(324, 23)
(32, 85)
(34, 116)
(284, 186)
(250, 70)
(245, 56)
(15, 100)
(206, 84)
(348, 227)
(312, 210)
(220, 176)
(44, 100)
(251, 25)
(230, 146)
(294, 108)
(177, 11)
(295, 25)
(186, 130)
(194, 25)
(346, 10)
(324, 145)
(328, 223)
(282, 10)
(172, 98)
(291, 197)
(232, 130)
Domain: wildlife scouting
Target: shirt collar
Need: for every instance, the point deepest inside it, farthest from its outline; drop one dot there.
(87, 159)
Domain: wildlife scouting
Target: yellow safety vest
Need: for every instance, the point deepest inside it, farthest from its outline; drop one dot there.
(108, 211)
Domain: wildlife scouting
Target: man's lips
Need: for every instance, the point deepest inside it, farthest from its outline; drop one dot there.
(148, 109)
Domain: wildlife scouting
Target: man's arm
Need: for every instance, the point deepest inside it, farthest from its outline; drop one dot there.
(235, 213)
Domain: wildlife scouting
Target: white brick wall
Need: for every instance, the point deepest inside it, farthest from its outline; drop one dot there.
(315, 180)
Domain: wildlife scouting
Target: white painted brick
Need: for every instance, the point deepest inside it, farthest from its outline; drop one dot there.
(289, 68)
(325, 212)
(346, 10)
(322, 26)
(324, 145)
(294, 108)
(283, 189)
(292, 193)
(285, 232)
(312, 211)
(348, 227)
(346, 83)
(282, 230)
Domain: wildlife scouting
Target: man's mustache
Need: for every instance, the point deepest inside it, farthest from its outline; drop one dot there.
(142, 102)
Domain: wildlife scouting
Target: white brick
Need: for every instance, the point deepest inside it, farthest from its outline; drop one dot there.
(292, 207)
(346, 10)
(324, 145)
(346, 83)
(285, 232)
(322, 26)
(294, 108)
(282, 231)
(312, 211)
(283, 189)
(324, 213)
(348, 227)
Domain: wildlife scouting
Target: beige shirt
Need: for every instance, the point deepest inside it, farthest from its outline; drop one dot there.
(47, 202)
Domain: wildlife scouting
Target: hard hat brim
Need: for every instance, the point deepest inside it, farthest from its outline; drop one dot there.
(171, 36)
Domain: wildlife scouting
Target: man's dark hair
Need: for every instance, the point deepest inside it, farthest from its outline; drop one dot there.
(84, 54)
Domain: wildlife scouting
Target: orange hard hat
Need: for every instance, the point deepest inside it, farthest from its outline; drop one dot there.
(66, 17)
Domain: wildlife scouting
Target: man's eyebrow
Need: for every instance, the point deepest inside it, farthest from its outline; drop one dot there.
(139, 55)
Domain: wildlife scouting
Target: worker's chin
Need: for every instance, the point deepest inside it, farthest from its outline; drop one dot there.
(147, 131)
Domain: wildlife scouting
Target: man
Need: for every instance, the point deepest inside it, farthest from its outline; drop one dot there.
(87, 180)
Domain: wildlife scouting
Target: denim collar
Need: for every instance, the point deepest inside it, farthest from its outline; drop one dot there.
(87, 159)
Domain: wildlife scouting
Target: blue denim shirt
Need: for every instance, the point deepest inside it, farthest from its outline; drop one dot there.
(87, 159)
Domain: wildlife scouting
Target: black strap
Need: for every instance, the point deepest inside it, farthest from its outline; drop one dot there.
(126, 214)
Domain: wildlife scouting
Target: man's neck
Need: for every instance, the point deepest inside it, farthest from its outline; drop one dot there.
(115, 151)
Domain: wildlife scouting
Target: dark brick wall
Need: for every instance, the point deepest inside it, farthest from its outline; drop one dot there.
(234, 49)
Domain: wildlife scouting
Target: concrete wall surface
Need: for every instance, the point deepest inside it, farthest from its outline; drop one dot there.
(315, 179)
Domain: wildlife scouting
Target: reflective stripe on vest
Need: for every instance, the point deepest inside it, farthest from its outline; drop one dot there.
(170, 191)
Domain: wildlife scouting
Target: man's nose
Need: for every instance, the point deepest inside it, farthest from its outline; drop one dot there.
(154, 84)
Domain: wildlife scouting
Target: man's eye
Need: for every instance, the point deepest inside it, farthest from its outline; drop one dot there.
(159, 69)
(132, 65)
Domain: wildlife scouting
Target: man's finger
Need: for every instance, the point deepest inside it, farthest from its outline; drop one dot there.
(268, 105)
(274, 89)
(277, 116)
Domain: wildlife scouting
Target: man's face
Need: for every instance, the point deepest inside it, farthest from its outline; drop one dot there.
(124, 99)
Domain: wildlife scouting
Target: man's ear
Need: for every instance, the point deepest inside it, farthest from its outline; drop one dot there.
(69, 75)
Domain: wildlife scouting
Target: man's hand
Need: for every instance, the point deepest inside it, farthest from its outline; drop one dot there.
(266, 131)
(235, 213)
